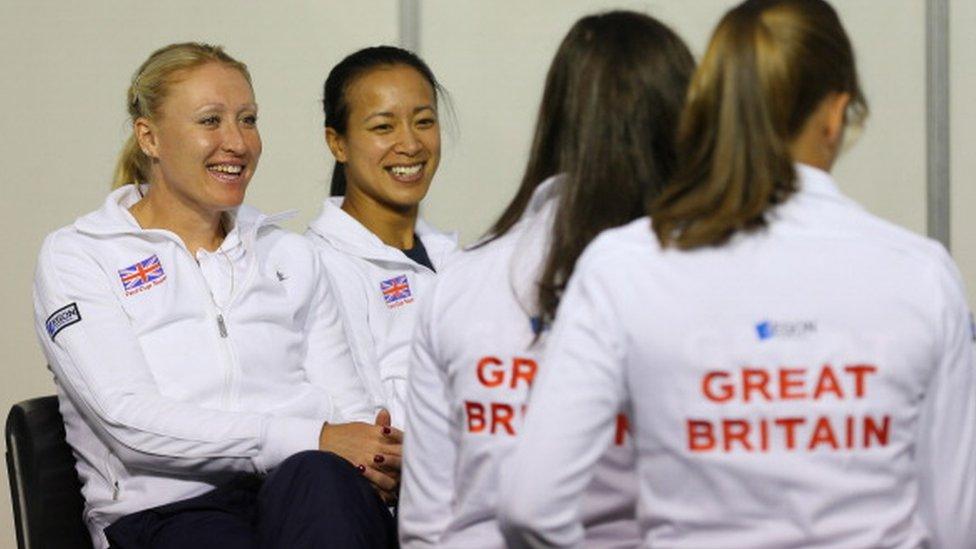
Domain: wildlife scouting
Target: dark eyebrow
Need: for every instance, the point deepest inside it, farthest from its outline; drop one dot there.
(383, 114)
(388, 114)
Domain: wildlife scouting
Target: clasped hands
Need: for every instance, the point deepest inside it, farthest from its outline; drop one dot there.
(375, 450)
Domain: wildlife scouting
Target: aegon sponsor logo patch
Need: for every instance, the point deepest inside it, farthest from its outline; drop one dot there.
(61, 319)
(798, 328)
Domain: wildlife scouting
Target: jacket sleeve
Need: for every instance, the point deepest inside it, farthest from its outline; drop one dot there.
(350, 300)
(330, 362)
(569, 422)
(430, 445)
(946, 451)
(94, 353)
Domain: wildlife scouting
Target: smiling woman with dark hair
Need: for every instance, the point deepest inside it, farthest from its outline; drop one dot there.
(382, 125)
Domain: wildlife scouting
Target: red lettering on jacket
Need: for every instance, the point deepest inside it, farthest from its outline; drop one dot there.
(620, 433)
(792, 433)
(754, 379)
(860, 372)
(492, 377)
(476, 416)
(524, 369)
(700, 437)
(725, 390)
(501, 416)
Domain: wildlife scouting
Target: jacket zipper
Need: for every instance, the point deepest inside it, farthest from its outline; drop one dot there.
(229, 396)
(226, 357)
(221, 326)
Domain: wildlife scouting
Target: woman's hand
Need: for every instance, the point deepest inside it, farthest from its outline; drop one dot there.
(375, 450)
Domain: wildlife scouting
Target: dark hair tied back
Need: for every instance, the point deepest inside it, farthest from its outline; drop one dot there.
(335, 101)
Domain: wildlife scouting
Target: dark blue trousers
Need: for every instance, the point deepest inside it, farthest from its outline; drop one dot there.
(312, 500)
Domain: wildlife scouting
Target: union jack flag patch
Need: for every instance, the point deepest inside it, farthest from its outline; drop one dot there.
(396, 291)
(142, 275)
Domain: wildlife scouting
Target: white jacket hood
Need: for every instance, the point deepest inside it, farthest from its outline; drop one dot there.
(114, 218)
(349, 236)
(533, 243)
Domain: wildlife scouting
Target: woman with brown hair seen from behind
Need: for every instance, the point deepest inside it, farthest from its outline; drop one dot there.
(604, 144)
(799, 373)
(202, 370)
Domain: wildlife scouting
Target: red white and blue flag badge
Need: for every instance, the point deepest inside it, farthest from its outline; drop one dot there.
(142, 276)
(396, 291)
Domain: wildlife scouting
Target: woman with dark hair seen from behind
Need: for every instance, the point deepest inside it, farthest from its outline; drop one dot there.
(799, 373)
(604, 144)
(382, 126)
(202, 370)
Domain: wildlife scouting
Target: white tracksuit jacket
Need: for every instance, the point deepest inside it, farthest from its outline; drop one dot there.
(174, 375)
(809, 385)
(380, 308)
(473, 364)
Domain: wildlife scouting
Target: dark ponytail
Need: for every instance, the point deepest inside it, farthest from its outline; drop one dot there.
(338, 185)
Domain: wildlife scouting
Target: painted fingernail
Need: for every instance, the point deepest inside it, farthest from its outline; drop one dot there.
(377, 459)
(361, 468)
(387, 430)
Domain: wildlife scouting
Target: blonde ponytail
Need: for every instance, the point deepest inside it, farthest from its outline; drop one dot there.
(767, 67)
(132, 165)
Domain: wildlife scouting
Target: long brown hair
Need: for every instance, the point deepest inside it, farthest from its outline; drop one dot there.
(607, 120)
(150, 86)
(767, 68)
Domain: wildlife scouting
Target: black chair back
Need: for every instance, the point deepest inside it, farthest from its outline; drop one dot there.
(44, 486)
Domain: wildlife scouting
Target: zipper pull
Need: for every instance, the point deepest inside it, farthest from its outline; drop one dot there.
(221, 325)
(115, 491)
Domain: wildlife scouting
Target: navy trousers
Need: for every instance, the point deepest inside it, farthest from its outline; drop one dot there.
(312, 500)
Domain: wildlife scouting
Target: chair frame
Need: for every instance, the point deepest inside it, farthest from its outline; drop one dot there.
(44, 486)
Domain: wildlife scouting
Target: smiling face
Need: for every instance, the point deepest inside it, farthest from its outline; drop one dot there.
(203, 142)
(392, 143)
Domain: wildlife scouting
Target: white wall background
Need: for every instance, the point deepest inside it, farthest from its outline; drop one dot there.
(493, 58)
(962, 114)
(65, 67)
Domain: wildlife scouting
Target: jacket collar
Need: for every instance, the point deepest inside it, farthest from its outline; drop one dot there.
(815, 181)
(533, 243)
(545, 194)
(114, 218)
(349, 236)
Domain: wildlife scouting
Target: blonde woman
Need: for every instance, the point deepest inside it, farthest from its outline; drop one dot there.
(204, 378)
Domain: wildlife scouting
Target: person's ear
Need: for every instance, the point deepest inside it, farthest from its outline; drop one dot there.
(145, 133)
(835, 119)
(336, 144)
